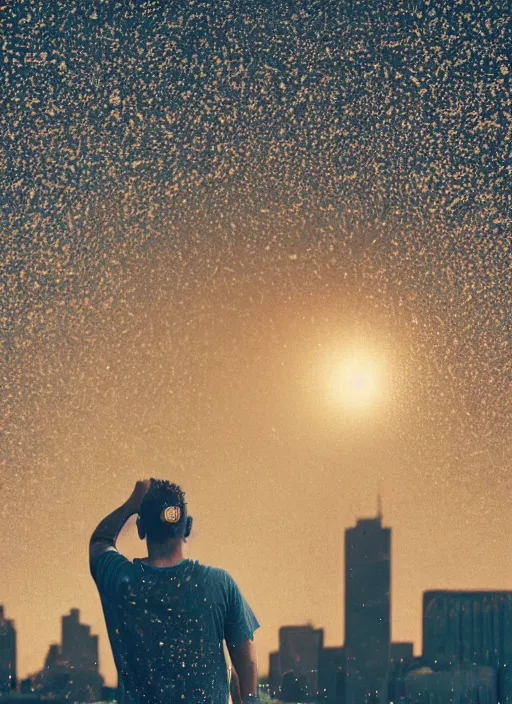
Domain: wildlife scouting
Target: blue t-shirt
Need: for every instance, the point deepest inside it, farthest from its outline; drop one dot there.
(167, 626)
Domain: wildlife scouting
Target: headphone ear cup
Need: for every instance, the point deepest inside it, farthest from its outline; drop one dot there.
(188, 526)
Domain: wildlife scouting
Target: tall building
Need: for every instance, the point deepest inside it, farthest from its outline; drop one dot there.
(7, 654)
(79, 648)
(462, 628)
(70, 669)
(299, 658)
(367, 611)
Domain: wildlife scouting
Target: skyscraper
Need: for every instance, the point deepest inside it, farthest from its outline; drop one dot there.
(367, 611)
(463, 628)
(7, 654)
(70, 669)
(79, 648)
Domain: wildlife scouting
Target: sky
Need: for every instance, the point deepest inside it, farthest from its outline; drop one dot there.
(262, 250)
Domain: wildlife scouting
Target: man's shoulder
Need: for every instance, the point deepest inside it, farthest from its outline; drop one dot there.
(217, 575)
(209, 570)
(110, 569)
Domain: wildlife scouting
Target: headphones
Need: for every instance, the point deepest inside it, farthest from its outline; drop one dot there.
(169, 514)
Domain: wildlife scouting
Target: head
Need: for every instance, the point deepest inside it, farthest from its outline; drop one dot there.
(163, 514)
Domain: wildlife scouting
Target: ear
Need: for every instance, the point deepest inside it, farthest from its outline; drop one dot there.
(188, 527)
(141, 528)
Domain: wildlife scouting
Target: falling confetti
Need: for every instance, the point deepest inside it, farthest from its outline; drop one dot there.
(205, 206)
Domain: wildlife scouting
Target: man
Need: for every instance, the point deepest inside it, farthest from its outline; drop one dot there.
(168, 616)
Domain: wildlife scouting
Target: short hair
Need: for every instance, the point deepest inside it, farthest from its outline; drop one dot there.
(162, 493)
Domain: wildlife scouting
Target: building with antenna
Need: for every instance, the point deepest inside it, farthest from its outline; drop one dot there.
(367, 610)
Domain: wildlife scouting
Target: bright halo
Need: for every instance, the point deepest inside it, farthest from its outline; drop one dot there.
(356, 382)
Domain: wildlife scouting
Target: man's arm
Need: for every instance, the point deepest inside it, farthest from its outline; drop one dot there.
(234, 688)
(245, 663)
(239, 630)
(107, 531)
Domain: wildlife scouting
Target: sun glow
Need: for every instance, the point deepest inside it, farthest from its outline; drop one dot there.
(356, 381)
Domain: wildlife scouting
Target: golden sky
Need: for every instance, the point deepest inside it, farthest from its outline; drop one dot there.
(236, 387)
(265, 254)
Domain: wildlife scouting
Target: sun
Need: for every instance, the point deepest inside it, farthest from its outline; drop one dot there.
(356, 381)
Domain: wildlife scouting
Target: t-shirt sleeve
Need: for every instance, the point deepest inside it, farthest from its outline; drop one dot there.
(110, 570)
(240, 619)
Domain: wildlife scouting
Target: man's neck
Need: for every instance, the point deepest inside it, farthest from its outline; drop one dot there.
(163, 556)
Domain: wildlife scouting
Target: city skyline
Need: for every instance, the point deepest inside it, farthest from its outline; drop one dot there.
(364, 526)
(70, 665)
(263, 669)
(467, 649)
